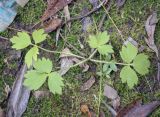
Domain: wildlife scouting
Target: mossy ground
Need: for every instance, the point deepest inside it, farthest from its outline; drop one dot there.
(130, 19)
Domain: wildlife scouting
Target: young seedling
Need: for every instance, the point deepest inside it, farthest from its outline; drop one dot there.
(42, 68)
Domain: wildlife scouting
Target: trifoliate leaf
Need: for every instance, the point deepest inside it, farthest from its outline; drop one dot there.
(22, 40)
(39, 36)
(34, 80)
(129, 76)
(93, 41)
(105, 49)
(43, 66)
(102, 38)
(31, 55)
(55, 83)
(128, 52)
(141, 64)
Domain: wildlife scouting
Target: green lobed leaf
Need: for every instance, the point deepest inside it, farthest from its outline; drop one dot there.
(22, 40)
(128, 52)
(141, 64)
(129, 76)
(43, 66)
(108, 71)
(105, 67)
(55, 83)
(105, 49)
(98, 40)
(31, 55)
(34, 80)
(93, 41)
(113, 66)
(102, 38)
(108, 57)
(39, 36)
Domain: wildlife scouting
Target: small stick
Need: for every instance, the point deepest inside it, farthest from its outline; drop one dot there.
(87, 14)
(113, 112)
(104, 16)
(4, 38)
(158, 73)
(120, 33)
(19, 30)
(81, 53)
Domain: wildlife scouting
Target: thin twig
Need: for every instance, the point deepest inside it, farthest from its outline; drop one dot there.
(81, 53)
(87, 14)
(102, 21)
(114, 113)
(57, 35)
(100, 61)
(120, 33)
(100, 87)
(4, 38)
(19, 30)
(85, 60)
(57, 52)
(74, 48)
(158, 71)
(104, 16)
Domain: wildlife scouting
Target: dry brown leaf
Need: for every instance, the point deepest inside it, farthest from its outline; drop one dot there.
(52, 25)
(65, 53)
(66, 63)
(2, 114)
(41, 94)
(93, 114)
(150, 26)
(101, 114)
(53, 7)
(112, 94)
(85, 110)
(128, 107)
(136, 109)
(115, 103)
(88, 84)
(109, 92)
(68, 60)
